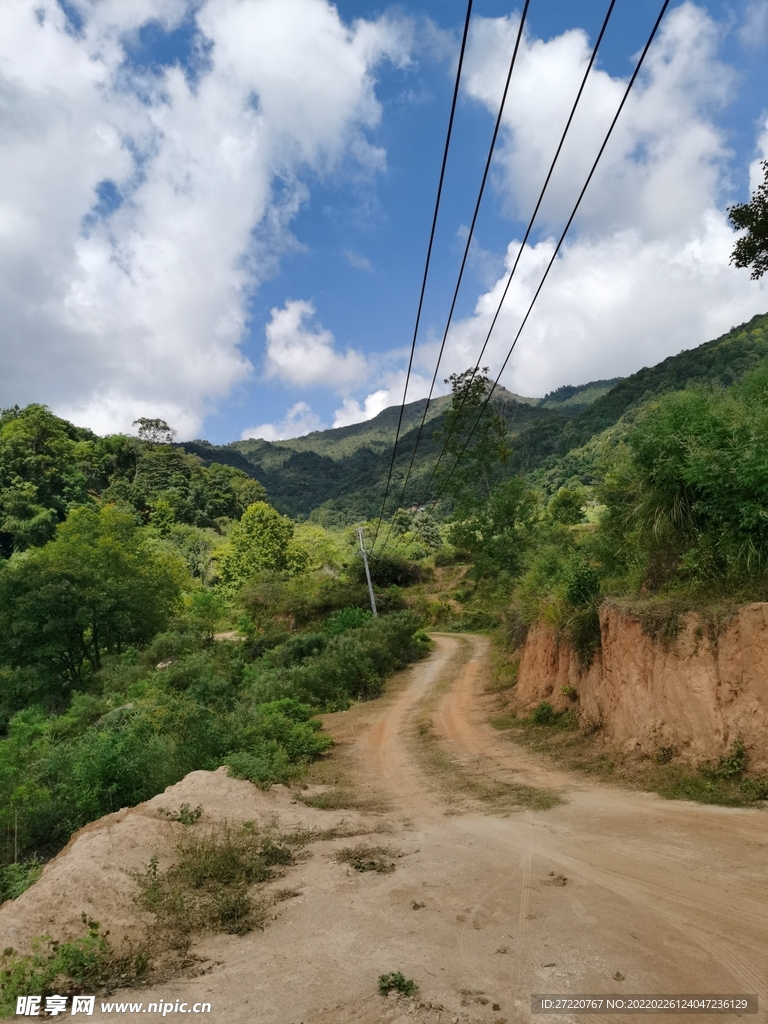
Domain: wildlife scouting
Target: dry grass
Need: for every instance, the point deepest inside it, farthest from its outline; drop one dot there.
(585, 751)
(496, 795)
(368, 858)
(343, 797)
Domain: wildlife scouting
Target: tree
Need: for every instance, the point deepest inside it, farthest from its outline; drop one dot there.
(498, 531)
(751, 250)
(476, 439)
(154, 431)
(99, 587)
(47, 465)
(260, 541)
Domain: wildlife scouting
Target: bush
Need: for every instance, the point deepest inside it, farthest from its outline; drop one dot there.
(88, 962)
(388, 571)
(344, 619)
(208, 888)
(353, 665)
(544, 714)
(396, 982)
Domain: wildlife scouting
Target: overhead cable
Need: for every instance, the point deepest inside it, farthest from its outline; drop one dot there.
(467, 245)
(429, 256)
(550, 264)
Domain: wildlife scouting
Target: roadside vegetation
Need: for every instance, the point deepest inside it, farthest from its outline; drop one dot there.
(158, 616)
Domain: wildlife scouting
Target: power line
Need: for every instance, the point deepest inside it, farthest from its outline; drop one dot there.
(427, 262)
(548, 268)
(467, 245)
(525, 237)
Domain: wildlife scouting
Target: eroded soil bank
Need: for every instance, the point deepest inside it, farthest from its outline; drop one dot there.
(697, 692)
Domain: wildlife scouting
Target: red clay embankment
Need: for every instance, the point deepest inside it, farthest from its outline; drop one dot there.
(697, 693)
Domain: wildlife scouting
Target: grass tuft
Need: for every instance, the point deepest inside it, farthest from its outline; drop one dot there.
(367, 858)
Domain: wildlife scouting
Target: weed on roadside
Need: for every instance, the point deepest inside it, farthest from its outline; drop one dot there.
(90, 962)
(396, 982)
(496, 794)
(209, 886)
(367, 858)
(338, 798)
(725, 781)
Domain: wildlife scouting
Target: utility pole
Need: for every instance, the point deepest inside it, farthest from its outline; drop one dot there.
(367, 571)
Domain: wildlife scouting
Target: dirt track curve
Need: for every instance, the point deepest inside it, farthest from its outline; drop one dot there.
(608, 892)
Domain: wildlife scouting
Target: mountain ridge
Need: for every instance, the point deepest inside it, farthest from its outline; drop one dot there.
(337, 476)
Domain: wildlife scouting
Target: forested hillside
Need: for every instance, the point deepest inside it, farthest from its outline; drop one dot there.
(337, 476)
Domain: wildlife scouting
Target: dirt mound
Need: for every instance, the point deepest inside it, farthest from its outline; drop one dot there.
(93, 874)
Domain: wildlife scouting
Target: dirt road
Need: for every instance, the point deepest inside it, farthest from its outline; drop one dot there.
(608, 892)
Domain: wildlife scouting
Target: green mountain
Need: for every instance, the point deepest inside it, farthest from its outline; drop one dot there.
(337, 476)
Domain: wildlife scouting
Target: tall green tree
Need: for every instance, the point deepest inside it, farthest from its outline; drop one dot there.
(259, 542)
(47, 465)
(98, 587)
(474, 435)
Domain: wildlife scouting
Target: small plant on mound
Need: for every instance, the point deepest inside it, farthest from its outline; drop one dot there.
(396, 982)
(89, 962)
(209, 887)
(185, 814)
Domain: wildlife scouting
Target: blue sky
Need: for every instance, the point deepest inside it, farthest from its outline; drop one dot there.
(217, 212)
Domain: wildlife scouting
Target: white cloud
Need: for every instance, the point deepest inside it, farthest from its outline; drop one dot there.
(354, 259)
(352, 412)
(298, 420)
(108, 314)
(646, 269)
(753, 33)
(302, 355)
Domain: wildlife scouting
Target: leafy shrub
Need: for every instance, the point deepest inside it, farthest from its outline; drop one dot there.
(344, 619)
(89, 962)
(544, 714)
(730, 766)
(388, 571)
(18, 877)
(396, 982)
(582, 583)
(353, 665)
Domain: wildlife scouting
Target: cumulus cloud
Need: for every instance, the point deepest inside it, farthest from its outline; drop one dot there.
(303, 355)
(140, 210)
(352, 412)
(298, 420)
(646, 270)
